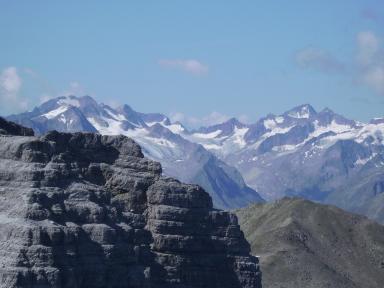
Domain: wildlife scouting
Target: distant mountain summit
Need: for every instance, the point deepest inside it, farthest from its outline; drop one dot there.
(305, 111)
(377, 121)
(160, 139)
(63, 114)
(226, 129)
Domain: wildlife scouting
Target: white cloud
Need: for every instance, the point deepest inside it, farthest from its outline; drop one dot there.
(214, 118)
(10, 86)
(45, 97)
(368, 47)
(15, 85)
(188, 65)
(177, 117)
(374, 78)
(366, 69)
(114, 103)
(318, 59)
(244, 119)
(75, 88)
(370, 61)
(10, 81)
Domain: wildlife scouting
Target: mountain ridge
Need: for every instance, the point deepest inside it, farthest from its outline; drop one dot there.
(310, 245)
(320, 156)
(161, 141)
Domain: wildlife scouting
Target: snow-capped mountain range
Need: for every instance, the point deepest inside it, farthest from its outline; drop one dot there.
(160, 139)
(321, 156)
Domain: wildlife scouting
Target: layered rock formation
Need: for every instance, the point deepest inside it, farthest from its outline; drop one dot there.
(85, 210)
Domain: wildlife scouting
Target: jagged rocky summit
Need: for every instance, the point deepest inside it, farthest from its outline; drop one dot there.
(85, 210)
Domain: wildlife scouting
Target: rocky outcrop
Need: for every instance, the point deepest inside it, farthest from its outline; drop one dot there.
(11, 128)
(85, 210)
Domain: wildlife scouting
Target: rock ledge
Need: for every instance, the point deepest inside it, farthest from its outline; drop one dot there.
(85, 210)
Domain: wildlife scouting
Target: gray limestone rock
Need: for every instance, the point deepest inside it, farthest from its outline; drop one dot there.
(85, 210)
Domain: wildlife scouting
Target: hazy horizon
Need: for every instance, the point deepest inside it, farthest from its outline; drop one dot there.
(191, 122)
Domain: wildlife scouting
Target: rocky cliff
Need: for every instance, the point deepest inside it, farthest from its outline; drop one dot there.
(11, 128)
(85, 210)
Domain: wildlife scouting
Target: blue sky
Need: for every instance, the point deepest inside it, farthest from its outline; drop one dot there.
(198, 61)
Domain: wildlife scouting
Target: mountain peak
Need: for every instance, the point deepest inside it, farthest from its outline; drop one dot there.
(126, 107)
(233, 121)
(379, 120)
(226, 127)
(301, 111)
(327, 110)
(71, 100)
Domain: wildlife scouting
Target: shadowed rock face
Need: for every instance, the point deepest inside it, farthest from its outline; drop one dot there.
(84, 210)
(10, 128)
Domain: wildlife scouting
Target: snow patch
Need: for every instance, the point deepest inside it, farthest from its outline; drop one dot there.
(270, 123)
(162, 142)
(285, 148)
(238, 136)
(112, 127)
(63, 119)
(176, 128)
(114, 115)
(279, 119)
(277, 130)
(69, 101)
(363, 161)
(211, 146)
(150, 124)
(332, 127)
(211, 135)
(302, 114)
(376, 131)
(56, 112)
